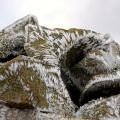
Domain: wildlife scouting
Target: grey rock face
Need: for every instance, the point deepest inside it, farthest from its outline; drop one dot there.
(49, 73)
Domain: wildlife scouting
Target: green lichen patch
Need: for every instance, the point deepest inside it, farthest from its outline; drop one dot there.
(57, 35)
(37, 86)
(37, 44)
(61, 29)
(22, 88)
(102, 109)
(99, 111)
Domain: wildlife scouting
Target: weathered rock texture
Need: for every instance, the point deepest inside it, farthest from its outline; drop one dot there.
(50, 73)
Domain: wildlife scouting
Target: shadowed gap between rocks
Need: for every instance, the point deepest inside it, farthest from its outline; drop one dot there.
(12, 56)
(102, 89)
(73, 56)
(72, 89)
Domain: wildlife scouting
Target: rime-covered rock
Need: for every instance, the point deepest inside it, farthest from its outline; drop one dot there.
(33, 78)
(101, 109)
(21, 86)
(49, 73)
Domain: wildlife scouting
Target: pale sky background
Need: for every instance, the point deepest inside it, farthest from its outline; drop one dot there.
(98, 15)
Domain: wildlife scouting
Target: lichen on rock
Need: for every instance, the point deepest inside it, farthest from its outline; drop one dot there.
(50, 73)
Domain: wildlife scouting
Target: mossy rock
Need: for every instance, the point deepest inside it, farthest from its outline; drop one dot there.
(22, 86)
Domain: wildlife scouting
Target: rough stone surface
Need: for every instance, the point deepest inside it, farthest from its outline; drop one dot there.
(45, 73)
(105, 109)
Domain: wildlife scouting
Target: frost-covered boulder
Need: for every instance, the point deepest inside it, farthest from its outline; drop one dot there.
(33, 79)
(50, 73)
(100, 109)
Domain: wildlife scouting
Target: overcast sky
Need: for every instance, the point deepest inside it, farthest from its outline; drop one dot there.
(98, 15)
